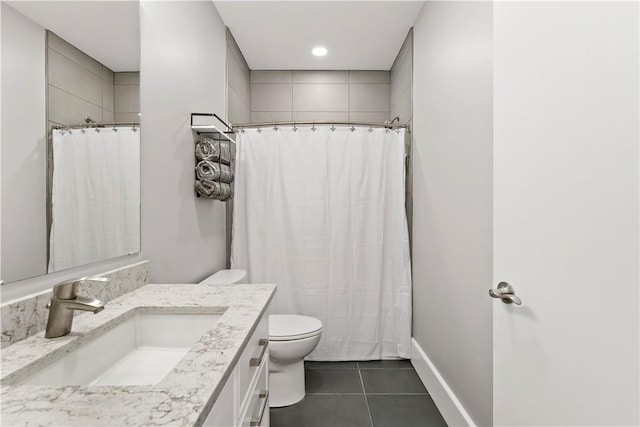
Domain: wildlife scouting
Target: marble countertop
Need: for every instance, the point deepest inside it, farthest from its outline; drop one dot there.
(184, 397)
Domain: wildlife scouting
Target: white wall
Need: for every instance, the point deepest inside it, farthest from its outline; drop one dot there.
(183, 51)
(23, 147)
(452, 191)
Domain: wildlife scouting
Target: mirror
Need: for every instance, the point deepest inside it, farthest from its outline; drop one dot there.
(70, 135)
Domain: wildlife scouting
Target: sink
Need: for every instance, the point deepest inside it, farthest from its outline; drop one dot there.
(140, 351)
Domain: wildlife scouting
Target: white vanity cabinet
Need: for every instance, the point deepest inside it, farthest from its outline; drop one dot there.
(244, 400)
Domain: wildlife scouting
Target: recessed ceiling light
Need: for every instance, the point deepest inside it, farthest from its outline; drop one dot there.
(319, 51)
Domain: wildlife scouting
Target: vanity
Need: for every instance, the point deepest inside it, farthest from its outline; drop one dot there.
(172, 354)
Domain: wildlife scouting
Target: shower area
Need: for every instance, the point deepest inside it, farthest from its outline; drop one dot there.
(323, 198)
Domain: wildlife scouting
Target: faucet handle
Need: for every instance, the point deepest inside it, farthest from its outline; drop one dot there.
(69, 289)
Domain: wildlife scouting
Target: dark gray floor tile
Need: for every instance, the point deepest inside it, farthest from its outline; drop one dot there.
(404, 411)
(333, 381)
(331, 365)
(323, 410)
(384, 364)
(391, 381)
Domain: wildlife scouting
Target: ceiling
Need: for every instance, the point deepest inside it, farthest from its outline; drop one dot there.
(279, 35)
(108, 31)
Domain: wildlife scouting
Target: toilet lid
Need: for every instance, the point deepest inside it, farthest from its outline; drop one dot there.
(286, 327)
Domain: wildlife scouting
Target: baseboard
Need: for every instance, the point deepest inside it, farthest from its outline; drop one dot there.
(446, 401)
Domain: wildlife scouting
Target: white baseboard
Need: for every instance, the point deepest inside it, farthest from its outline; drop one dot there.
(446, 401)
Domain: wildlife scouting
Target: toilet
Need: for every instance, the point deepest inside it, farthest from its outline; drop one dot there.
(291, 338)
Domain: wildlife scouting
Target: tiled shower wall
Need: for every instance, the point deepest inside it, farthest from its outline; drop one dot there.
(126, 95)
(238, 84)
(320, 95)
(77, 85)
(402, 106)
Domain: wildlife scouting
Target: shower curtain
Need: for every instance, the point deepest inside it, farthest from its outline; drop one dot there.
(95, 202)
(322, 214)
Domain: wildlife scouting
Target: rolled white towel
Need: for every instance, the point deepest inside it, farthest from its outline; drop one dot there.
(214, 189)
(215, 151)
(211, 171)
(208, 149)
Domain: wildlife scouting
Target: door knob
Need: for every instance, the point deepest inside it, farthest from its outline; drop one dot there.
(506, 293)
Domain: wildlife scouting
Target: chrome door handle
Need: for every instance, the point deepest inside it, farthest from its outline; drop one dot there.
(506, 293)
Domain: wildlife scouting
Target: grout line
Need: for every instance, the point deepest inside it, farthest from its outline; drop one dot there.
(366, 401)
(336, 394)
(398, 394)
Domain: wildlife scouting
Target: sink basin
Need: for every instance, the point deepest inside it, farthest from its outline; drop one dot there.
(140, 351)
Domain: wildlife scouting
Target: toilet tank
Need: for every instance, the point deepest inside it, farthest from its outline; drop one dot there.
(226, 277)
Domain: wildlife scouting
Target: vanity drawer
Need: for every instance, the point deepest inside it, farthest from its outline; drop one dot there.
(224, 410)
(256, 413)
(252, 358)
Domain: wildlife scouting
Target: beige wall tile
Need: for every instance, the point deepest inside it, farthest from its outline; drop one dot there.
(238, 111)
(121, 79)
(107, 116)
(321, 76)
(271, 76)
(369, 97)
(238, 77)
(126, 117)
(401, 76)
(403, 106)
(369, 77)
(107, 75)
(271, 97)
(372, 117)
(68, 109)
(71, 77)
(126, 99)
(107, 96)
(321, 115)
(321, 97)
(270, 116)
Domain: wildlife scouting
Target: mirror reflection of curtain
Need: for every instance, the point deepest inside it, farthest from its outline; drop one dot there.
(321, 213)
(95, 196)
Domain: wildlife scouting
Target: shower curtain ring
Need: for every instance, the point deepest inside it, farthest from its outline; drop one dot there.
(370, 127)
(353, 128)
(295, 129)
(333, 127)
(313, 126)
(259, 130)
(275, 127)
(115, 129)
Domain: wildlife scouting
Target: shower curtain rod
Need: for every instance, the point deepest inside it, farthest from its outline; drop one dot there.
(94, 125)
(241, 126)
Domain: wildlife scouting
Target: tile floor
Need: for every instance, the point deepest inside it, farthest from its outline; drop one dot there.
(353, 394)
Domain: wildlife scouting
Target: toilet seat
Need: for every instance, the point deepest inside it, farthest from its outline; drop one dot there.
(289, 327)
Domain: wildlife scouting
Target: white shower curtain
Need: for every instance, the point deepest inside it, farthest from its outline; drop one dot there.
(322, 214)
(95, 196)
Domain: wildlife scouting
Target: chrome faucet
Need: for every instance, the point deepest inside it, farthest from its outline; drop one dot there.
(65, 301)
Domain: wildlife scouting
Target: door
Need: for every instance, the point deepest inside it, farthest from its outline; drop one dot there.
(566, 213)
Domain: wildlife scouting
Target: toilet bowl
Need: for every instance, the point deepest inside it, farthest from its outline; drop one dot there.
(291, 338)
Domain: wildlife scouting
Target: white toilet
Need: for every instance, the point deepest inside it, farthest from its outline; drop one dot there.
(291, 339)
